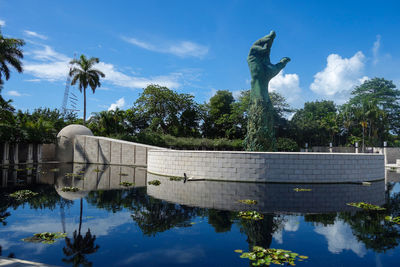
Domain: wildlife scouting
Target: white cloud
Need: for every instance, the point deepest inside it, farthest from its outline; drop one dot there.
(375, 49)
(99, 226)
(339, 77)
(118, 78)
(2, 23)
(340, 237)
(119, 104)
(287, 85)
(290, 224)
(52, 66)
(15, 93)
(181, 48)
(176, 255)
(35, 34)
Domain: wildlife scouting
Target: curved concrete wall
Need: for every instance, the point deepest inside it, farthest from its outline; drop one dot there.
(268, 166)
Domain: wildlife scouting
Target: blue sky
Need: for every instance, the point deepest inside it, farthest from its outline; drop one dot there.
(199, 47)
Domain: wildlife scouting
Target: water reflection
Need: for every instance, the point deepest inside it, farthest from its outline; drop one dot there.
(176, 205)
(271, 198)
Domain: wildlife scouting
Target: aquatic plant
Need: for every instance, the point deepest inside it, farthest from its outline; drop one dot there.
(70, 189)
(175, 178)
(19, 170)
(248, 201)
(261, 256)
(302, 189)
(393, 219)
(75, 175)
(54, 170)
(23, 194)
(97, 170)
(251, 215)
(365, 206)
(126, 183)
(123, 174)
(46, 237)
(154, 182)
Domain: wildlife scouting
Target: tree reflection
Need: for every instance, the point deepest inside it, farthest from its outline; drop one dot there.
(77, 249)
(150, 214)
(221, 220)
(259, 233)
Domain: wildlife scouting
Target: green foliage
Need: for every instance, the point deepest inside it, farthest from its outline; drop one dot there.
(84, 73)
(373, 113)
(75, 175)
(248, 201)
(23, 195)
(10, 55)
(393, 219)
(261, 256)
(40, 126)
(302, 189)
(165, 111)
(287, 145)
(45, 238)
(250, 215)
(175, 178)
(154, 182)
(127, 184)
(315, 123)
(365, 206)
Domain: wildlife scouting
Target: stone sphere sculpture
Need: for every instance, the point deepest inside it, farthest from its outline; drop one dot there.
(65, 141)
(260, 128)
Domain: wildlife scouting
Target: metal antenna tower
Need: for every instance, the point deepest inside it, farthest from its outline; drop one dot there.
(64, 108)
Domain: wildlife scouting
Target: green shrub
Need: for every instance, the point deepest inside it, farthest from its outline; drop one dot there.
(287, 145)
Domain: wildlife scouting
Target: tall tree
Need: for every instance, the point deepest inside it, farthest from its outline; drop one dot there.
(315, 123)
(216, 115)
(84, 73)
(167, 111)
(375, 108)
(10, 54)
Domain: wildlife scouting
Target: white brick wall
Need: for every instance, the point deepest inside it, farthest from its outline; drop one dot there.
(268, 166)
(322, 198)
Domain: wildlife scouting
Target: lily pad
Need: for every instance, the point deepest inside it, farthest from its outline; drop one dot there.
(302, 189)
(23, 194)
(126, 184)
(154, 182)
(175, 178)
(46, 237)
(123, 174)
(69, 174)
(54, 170)
(261, 256)
(70, 189)
(251, 215)
(365, 206)
(393, 219)
(248, 201)
(97, 170)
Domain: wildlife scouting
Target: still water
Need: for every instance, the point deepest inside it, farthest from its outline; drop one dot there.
(194, 223)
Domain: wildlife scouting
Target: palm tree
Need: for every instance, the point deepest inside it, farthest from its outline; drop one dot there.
(84, 72)
(10, 54)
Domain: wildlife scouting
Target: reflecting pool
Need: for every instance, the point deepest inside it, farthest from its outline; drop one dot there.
(112, 223)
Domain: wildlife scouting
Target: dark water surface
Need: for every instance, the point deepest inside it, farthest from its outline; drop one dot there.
(193, 223)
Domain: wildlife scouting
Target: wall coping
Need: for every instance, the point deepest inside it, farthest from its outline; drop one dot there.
(266, 153)
(124, 142)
